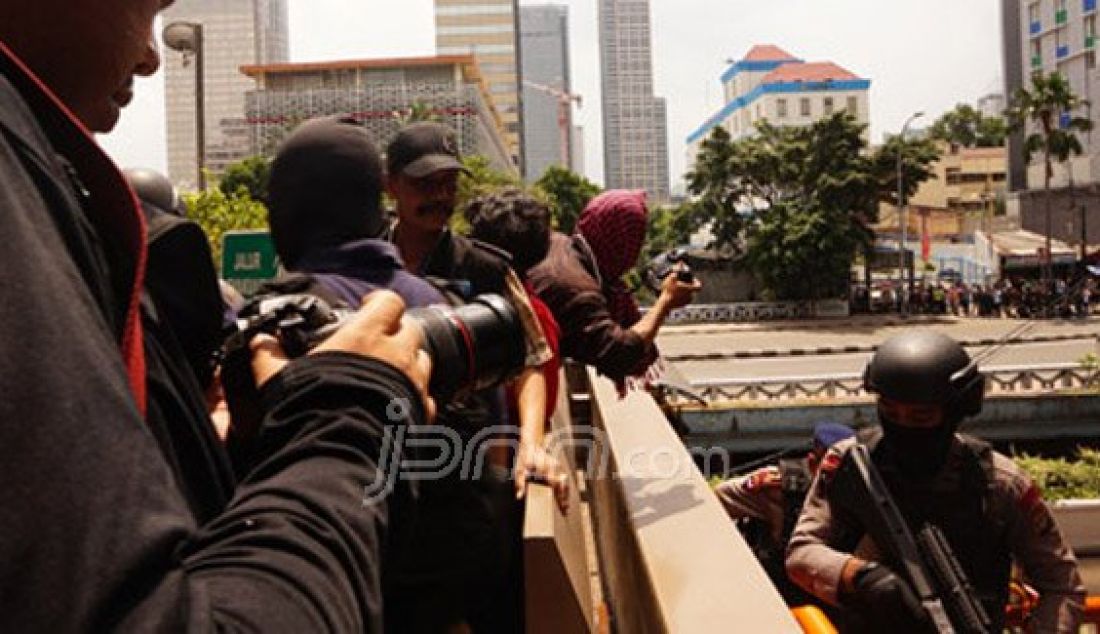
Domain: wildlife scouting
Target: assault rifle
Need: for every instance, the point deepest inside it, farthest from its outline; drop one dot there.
(926, 562)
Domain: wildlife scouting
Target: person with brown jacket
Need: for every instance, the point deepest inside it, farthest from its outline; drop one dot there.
(581, 281)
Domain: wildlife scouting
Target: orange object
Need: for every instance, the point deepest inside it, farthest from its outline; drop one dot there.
(1022, 602)
(813, 620)
(1092, 610)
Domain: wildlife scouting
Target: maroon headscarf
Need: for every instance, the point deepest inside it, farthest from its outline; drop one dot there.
(614, 224)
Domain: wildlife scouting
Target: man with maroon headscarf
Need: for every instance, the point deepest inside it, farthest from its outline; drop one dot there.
(581, 281)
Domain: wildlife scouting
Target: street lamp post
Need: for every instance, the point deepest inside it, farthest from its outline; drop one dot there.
(186, 37)
(903, 238)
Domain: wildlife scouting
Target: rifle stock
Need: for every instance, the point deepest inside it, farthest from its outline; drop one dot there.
(927, 562)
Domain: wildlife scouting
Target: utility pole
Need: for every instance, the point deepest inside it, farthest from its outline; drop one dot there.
(186, 37)
(903, 227)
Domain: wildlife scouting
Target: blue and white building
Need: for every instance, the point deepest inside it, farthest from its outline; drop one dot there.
(773, 85)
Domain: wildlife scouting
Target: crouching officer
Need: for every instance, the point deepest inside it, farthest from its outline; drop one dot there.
(767, 502)
(988, 509)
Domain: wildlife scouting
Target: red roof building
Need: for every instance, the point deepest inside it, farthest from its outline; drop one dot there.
(808, 72)
(767, 53)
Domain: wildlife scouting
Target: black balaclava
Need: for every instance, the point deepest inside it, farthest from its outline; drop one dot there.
(919, 452)
(326, 188)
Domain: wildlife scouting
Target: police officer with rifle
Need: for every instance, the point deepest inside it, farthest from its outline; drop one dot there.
(915, 528)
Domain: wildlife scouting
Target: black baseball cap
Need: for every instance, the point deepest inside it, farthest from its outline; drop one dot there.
(424, 148)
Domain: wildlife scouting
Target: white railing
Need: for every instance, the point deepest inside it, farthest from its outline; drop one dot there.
(1000, 381)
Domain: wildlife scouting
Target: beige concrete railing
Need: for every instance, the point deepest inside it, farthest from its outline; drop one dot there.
(669, 558)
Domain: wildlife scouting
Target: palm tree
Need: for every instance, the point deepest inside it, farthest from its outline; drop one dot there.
(1049, 107)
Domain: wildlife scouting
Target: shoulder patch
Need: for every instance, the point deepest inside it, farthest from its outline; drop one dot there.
(1035, 511)
(830, 464)
(766, 478)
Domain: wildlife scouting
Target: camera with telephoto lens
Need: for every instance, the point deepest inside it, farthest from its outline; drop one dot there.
(664, 265)
(475, 346)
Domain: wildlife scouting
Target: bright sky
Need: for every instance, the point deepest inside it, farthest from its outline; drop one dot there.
(923, 55)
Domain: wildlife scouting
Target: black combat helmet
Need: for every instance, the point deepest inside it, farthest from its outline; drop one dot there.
(154, 188)
(926, 367)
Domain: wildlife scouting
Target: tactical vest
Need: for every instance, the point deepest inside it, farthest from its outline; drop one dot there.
(973, 526)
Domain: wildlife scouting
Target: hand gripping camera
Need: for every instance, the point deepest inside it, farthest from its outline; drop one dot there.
(473, 347)
(664, 265)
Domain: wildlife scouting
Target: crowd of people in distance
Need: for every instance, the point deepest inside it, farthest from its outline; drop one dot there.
(1009, 298)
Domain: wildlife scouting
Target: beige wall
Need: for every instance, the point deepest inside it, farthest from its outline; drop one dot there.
(967, 179)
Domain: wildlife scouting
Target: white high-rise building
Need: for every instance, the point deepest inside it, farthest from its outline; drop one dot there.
(235, 33)
(635, 122)
(1056, 36)
(1050, 36)
(769, 84)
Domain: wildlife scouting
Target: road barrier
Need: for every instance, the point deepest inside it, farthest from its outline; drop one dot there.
(1000, 381)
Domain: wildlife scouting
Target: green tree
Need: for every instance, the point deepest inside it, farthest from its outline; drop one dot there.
(218, 213)
(568, 194)
(917, 157)
(992, 132)
(480, 178)
(967, 127)
(252, 174)
(1048, 107)
(820, 189)
(718, 187)
(667, 228)
(800, 200)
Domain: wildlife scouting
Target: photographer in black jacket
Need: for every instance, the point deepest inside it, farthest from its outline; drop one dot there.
(97, 532)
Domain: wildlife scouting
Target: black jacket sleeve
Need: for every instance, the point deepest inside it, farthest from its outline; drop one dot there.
(95, 534)
(300, 547)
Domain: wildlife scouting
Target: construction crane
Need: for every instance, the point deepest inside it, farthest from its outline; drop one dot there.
(565, 101)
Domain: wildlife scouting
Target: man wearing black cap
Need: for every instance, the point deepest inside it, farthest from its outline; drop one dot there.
(989, 510)
(463, 571)
(423, 166)
(770, 500)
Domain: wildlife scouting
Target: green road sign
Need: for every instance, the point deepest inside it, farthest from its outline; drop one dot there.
(248, 259)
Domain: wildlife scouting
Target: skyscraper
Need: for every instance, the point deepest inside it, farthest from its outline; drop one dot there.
(487, 29)
(635, 128)
(235, 33)
(544, 44)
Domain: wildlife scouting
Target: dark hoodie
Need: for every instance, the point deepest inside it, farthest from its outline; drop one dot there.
(325, 213)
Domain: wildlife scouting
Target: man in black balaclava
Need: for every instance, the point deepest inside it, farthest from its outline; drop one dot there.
(989, 510)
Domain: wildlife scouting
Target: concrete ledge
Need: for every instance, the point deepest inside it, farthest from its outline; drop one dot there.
(670, 558)
(1078, 520)
(561, 582)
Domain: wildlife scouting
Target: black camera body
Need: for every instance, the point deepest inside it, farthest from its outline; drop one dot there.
(473, 347)
(664, 265)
